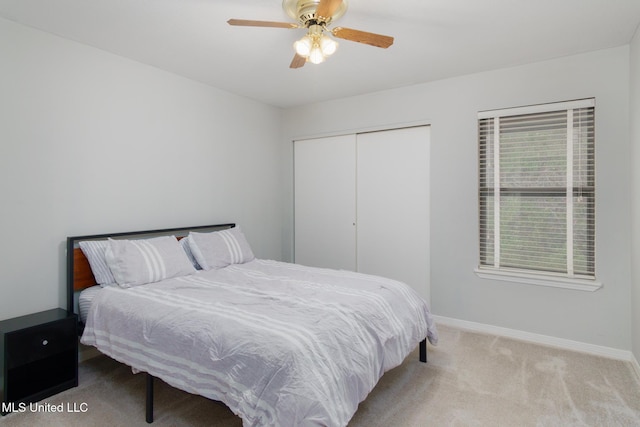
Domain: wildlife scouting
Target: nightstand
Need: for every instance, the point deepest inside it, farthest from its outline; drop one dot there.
(38, 357)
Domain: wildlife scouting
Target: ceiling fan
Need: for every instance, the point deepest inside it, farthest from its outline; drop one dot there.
(316, 16)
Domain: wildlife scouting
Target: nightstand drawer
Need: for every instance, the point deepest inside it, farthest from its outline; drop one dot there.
(39, 342)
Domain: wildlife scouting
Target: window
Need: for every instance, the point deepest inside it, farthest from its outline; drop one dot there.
(537, 193)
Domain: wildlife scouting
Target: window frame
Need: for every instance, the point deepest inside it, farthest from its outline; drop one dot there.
(568, 279)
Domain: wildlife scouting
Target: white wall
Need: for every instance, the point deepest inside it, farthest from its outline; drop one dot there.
(94, 143)
(635, 189)
(602, 317)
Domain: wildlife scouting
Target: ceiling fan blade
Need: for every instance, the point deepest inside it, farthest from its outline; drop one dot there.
(250, 23)
(298, 61)
(377, 40)
(327, 8)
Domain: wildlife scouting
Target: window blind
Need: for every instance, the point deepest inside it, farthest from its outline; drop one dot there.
(537, 189)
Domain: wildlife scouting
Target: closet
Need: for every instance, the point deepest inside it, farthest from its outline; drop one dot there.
(362, 203)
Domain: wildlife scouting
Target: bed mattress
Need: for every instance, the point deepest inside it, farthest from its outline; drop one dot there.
(278, 343)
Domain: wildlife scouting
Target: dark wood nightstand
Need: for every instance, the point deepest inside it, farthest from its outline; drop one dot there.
(38, 357)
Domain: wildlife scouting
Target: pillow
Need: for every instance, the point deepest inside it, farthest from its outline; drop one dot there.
(94, 250)
(184, 242)
(220, 248)
(137, 262)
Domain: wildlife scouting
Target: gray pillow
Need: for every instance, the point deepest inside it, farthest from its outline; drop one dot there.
(137, 262)
(94, 250)
(184, 242)
(220, 248)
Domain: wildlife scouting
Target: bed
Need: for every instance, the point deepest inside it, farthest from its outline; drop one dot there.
(278, 343)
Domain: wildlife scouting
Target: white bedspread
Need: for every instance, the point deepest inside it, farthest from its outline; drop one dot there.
(279, 344)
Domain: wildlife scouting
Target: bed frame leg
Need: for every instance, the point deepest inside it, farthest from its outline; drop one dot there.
(149, 398)
(423, 351)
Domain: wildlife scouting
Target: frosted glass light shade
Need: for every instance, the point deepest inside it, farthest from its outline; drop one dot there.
(303, 46)
(316, 56)
(328, 46)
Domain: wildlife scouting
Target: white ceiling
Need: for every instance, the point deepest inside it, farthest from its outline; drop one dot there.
(434, 39)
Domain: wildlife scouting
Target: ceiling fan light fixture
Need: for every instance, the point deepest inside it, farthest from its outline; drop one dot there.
(315, 46)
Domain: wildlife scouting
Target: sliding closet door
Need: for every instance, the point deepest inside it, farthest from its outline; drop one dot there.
(393, 205)
(325, 186)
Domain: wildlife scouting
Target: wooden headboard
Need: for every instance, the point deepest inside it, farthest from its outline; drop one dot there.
(82, 275)
(79, 274)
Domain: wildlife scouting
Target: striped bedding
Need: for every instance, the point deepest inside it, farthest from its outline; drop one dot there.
(280, 344)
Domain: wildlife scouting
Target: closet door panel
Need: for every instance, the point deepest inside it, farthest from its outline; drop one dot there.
(324, 194)
(393, 205)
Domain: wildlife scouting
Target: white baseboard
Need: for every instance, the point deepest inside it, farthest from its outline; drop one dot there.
(597, 350)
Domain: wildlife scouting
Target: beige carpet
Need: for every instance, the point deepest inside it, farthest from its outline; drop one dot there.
(471, 380)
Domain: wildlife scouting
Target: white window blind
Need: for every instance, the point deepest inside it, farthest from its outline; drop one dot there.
(537, 189)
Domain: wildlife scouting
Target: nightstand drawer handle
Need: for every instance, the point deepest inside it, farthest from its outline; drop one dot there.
(45, 342)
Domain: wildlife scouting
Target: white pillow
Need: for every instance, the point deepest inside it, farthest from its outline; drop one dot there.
(220, 248)
(94, 250)
(137, 262)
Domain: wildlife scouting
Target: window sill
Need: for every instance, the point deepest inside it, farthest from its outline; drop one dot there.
(539, 279)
